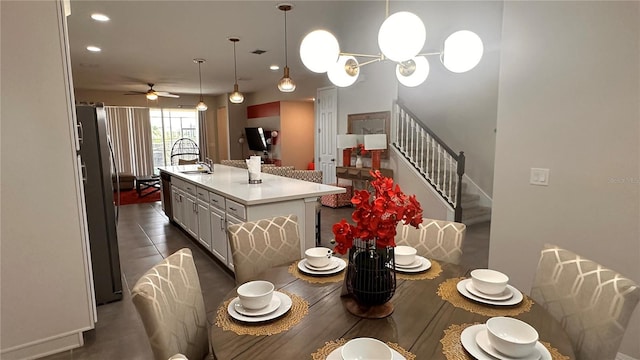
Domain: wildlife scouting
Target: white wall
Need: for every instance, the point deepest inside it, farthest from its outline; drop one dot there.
(46, 295)
(568, 101)
(461, 108)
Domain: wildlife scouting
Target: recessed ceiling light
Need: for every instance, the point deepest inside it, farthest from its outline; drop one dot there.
(274, 67)
(94, 48)
(100, 17)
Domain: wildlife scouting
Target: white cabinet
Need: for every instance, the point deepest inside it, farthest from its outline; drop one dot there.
(177, 205)
(190, 215)
(203, 217)
(219, 243)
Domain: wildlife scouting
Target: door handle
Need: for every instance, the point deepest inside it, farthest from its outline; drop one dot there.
(333, 159)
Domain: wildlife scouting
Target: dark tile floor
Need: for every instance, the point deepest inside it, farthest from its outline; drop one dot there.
(146, 237)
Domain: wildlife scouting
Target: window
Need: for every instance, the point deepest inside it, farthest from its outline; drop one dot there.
(167, 126)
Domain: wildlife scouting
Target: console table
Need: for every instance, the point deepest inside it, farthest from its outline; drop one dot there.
(361, 175)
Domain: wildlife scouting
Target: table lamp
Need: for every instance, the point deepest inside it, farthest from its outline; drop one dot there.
(347, 142)
(375, 143)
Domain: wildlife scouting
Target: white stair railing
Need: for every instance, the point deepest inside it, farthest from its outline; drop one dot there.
(439, 165)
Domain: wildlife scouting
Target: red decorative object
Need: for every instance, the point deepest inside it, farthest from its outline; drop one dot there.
(346, 157)
(376, 218)
(375, 159)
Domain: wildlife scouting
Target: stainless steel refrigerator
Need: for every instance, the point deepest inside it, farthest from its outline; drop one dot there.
(98, 165)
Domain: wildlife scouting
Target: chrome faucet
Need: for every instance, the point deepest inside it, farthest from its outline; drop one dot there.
(208, 163)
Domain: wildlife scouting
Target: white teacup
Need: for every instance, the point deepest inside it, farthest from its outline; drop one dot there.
(404, 255)
(255, 295)
(318, 256)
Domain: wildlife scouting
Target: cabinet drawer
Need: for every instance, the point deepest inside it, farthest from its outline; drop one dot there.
(189, 188)
(236, 210)
(202, 194)
(178, 183)
(217, 201)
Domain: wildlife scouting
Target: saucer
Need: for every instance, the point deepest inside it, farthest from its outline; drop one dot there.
(309, 271)
(417, 262)
(285, 305)
(425, 265)
(273, 306)
(482, 339)
(335, 355)
(332, 265)
(468, 341)
(513, 300)
(505, 295)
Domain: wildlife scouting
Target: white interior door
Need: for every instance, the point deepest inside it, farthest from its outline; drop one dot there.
(326, 132)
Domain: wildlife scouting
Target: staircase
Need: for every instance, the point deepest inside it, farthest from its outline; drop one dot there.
(440, 167)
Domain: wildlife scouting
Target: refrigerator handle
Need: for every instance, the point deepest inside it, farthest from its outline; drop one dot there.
(115, 168)
(80, 133)
(83, 172)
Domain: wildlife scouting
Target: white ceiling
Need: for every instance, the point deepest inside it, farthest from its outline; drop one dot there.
(156, 42)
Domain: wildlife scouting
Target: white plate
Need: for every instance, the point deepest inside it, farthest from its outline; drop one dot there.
(341, 265)
(332, 265)
(273, 306)
(468, 340)
(285, 305)
(506, 294)
(335, 355)
(514, 300)
(425, 265)
(416, 262)
(482, 339)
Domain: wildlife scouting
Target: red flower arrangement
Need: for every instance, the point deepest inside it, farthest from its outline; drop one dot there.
(377, 218)
(360, 150)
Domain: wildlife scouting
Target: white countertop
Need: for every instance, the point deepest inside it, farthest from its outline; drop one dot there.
(233, 183)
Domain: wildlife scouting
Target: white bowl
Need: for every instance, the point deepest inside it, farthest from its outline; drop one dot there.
(511, 337)
(404, 255)
(318, 256)
(255, 295)
(365, 349)
(488, 281)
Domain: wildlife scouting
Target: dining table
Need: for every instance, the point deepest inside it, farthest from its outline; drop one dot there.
(426, 322)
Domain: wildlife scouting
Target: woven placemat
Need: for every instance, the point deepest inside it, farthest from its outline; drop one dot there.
(453, 350)
(299, 309)
(293, 270)
(434, 271)
(323, 352)
(448, 291)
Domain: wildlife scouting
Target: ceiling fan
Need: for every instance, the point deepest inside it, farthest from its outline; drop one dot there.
(152, 94)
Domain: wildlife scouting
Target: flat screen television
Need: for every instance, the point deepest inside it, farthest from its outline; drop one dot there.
(256, 139)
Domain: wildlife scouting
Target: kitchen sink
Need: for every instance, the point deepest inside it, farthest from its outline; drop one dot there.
(196, 172)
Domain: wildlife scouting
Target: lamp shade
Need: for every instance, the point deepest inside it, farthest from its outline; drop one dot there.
(414, 73)
(401, 36)
(152, 96)
(347, 141)
(319, 50)
(375, 142)
(462, 51)
(201, 106)
(344, 72)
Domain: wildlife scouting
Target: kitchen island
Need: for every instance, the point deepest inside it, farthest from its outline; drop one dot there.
(204, 204)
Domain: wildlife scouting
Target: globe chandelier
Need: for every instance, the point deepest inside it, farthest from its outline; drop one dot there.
(201, 105)
(401, 37)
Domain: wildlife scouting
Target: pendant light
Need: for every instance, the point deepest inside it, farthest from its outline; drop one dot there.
(201, 105)
(236, 96)
(286, 84)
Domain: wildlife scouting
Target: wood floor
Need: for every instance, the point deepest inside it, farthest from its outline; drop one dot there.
(145, 237)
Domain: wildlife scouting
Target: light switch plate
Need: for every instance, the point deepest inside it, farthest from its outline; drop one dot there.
(539, 176)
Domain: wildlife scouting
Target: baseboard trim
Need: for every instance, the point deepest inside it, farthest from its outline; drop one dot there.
(621, 356)
(44, 347)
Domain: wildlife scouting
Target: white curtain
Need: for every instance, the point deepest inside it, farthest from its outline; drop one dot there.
(130, 132)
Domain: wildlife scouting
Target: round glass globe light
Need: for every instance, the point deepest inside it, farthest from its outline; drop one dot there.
(338, 74)
(319, 50)
(401, 36)
(462, 51)
(236, 97)
(286, 84)
(418, 76)
(201, 106)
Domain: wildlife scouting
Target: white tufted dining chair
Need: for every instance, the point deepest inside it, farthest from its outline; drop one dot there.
(259, 245)
(434, 239)
(591, 302)
(170, 303)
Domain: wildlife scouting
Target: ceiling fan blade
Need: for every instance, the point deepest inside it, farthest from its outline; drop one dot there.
(136, 93)
(166, 94)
